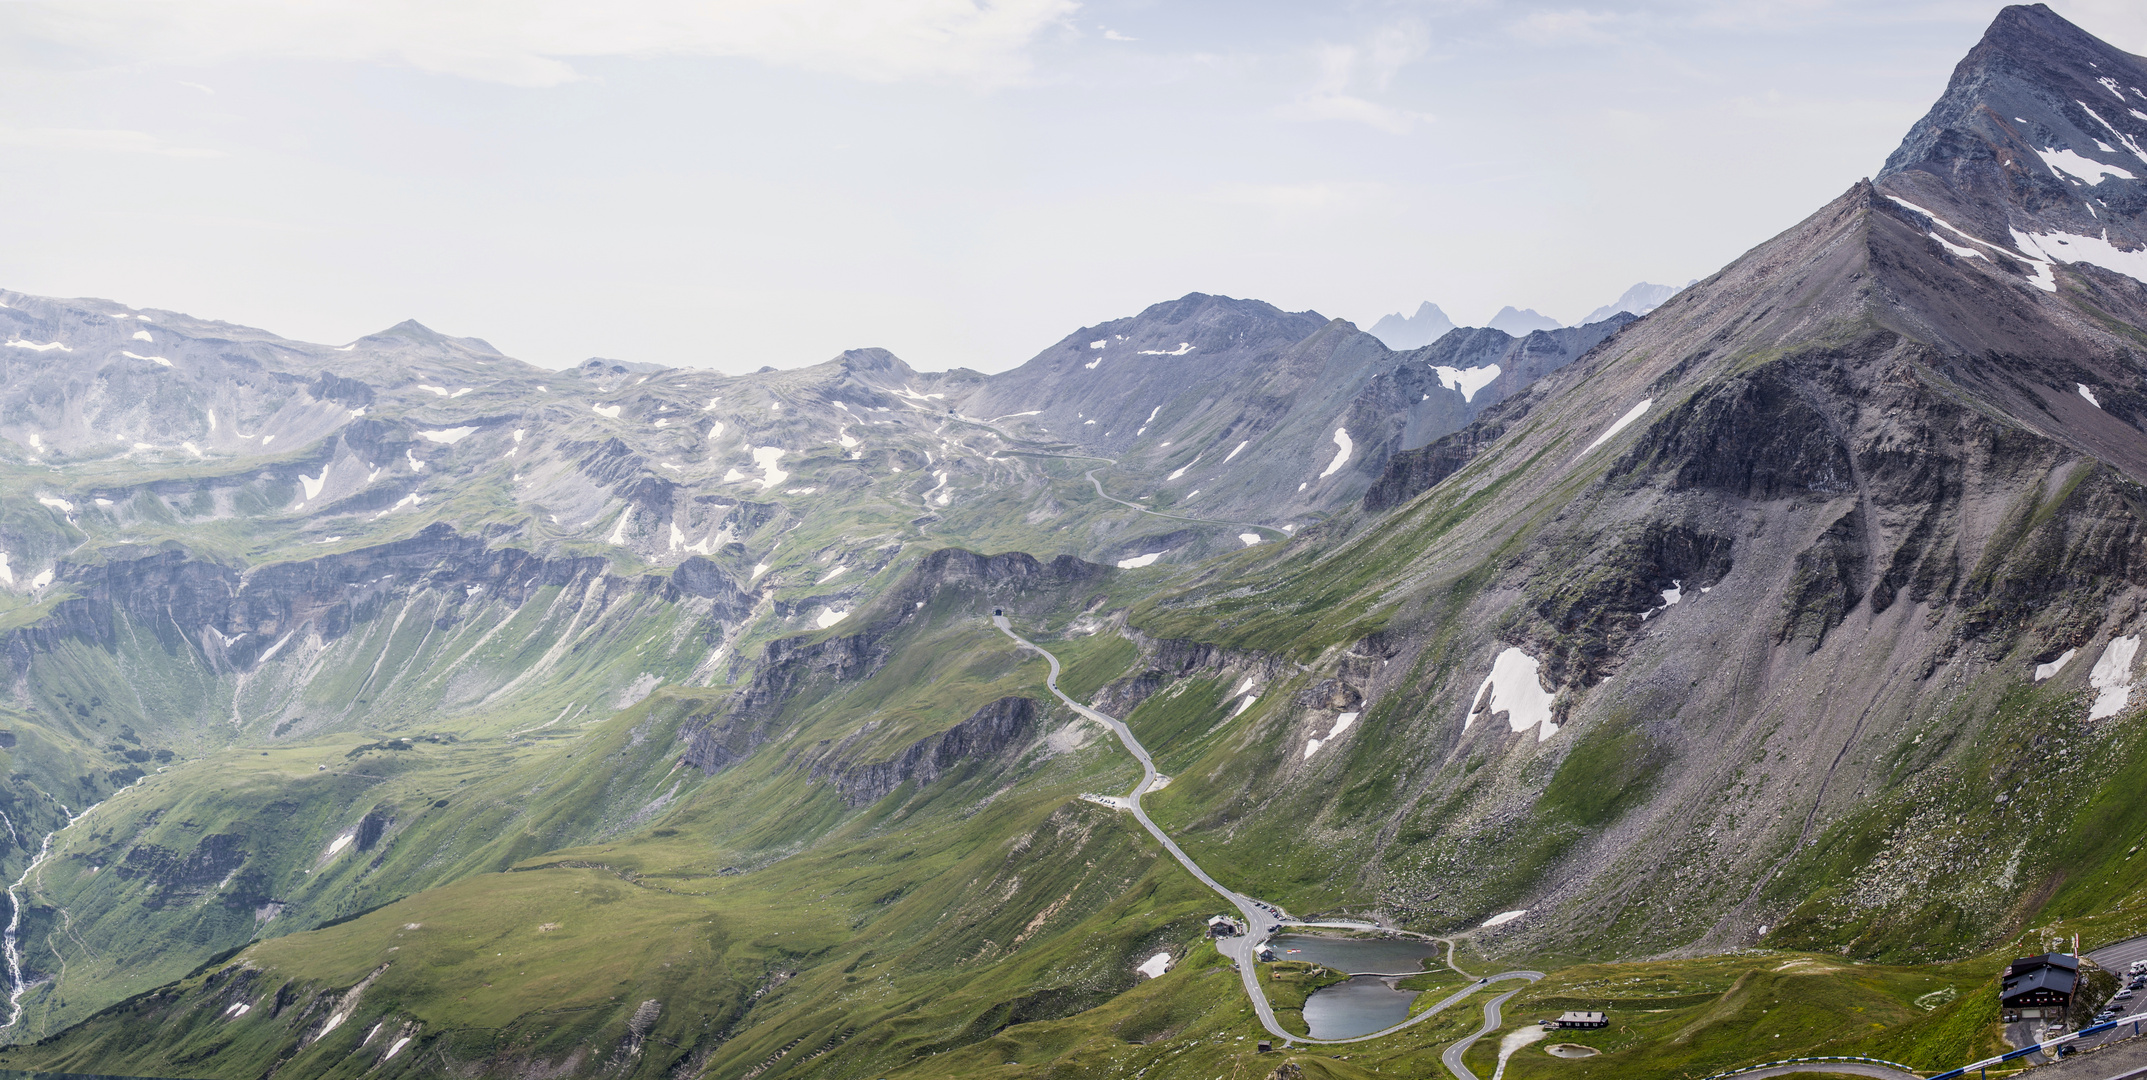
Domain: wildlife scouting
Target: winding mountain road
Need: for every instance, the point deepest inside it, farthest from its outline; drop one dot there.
(1259, 914)
(1492, 1019)
(1091, 474)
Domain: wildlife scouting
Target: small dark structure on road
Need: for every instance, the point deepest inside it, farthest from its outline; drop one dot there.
(2039, 987)
(1581, 1020)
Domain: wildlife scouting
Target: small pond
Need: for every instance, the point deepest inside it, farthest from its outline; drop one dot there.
(1388, 956)
(1358, 1007)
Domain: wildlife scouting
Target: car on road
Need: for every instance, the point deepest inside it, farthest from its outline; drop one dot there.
(2105, 1015)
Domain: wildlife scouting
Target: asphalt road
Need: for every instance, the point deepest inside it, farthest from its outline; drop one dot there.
(1452, 1057)
(1838, 1068)
(1091, 474)
(1259, 914)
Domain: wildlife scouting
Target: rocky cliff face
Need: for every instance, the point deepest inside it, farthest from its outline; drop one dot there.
(989, 732)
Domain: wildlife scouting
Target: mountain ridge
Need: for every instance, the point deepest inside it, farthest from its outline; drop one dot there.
(1777, 648)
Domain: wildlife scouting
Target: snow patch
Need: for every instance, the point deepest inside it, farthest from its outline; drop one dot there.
(1620, 424)
(341, 842)
(1467, 380)
(1341, 724)
(7, 576)
(1513, 688)
(34, 346)
(2089, 395)
(2074, 248)
(1249, 539)
(2112, 677)
(143, 335)
(449, 436)
(397, 1048)
(829, 617)
(1139, 561)
(1182, 468)
(609, 412)
(1504, 917)
(618, 532)
(313, 485)
(57, 504)
(440, 390)
(1235, 450)
(1155, 966)
(2084, 169)
(2044, 671)
(43, 578)
(1341, 439)
(1099, 344)
(1151, 419)
(1181, 350)
(766, 457)
(238, 1010)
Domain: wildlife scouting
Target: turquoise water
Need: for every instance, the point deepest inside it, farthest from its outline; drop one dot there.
(1384, 955)
(1358, 1007)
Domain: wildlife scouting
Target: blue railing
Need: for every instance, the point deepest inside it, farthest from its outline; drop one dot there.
(2094, 1029)
(1812, 1060)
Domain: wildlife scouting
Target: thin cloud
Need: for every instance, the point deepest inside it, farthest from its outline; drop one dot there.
(1343, 69)
(107, 140)
(1574, 25)
(534, 43)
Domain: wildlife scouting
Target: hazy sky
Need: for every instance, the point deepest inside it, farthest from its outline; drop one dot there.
(745, 182)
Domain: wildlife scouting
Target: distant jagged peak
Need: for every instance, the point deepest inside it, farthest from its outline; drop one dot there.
(1639, 300)
(1403, 332)
(1520, 322)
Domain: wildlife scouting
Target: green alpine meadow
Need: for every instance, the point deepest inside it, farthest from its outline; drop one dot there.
(1747, 677)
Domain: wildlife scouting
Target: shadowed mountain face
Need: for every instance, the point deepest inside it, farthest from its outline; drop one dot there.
(1231, 408)
(1803, 612)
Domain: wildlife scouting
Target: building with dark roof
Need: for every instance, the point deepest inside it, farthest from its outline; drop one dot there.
(2039, 987)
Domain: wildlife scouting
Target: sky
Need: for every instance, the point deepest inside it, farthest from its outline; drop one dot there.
(740, 183)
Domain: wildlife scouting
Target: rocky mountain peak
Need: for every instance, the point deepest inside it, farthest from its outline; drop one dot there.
(2041, 132)
(1429, 324)
(1521, 321)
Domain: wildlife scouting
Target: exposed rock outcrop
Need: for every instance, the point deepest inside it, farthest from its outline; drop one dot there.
(990, 731)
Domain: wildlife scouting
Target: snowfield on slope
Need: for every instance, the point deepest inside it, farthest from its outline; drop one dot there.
(1618, 425)
(1514, 688)
(1341, 458)
(2112, 677)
